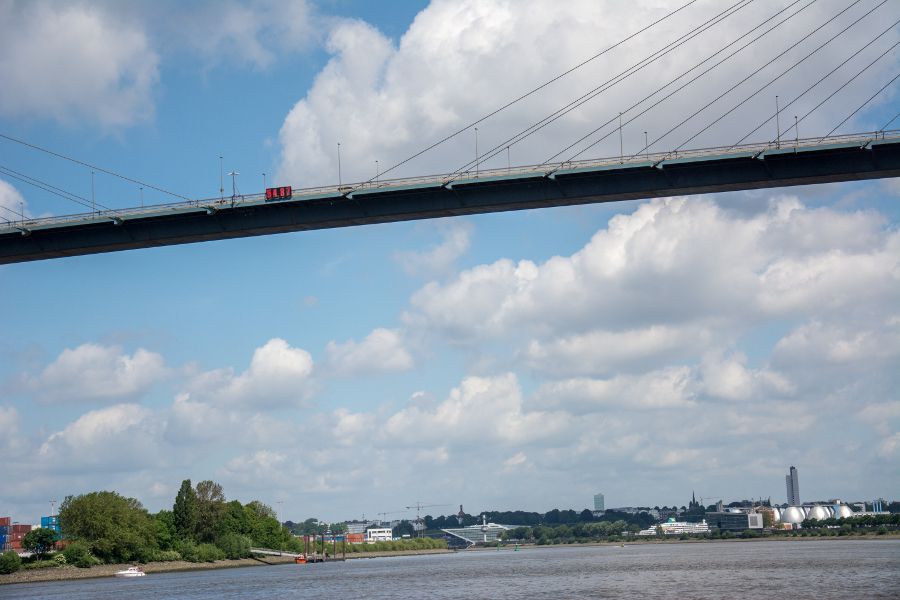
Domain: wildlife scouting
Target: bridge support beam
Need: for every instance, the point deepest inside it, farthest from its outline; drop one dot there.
(697, 175)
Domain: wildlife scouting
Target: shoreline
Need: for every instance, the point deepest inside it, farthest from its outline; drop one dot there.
(70, 573)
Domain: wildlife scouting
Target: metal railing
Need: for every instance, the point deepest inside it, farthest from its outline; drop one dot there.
(213, 204)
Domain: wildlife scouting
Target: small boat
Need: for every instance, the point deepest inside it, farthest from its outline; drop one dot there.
(131, 572)
(300, 559)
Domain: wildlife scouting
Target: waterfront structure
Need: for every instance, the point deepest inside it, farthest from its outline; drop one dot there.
(478, 534)
(673, 527)
(793, 487)
(599, 503)
(359, 526)
(636, 510)
(379, 535)
(734, 521)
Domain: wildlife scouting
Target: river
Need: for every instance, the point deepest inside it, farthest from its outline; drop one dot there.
(814, 569)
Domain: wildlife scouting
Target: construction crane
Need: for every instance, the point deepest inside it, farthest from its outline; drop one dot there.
(390, 512)
(420, 526)
(708, 497)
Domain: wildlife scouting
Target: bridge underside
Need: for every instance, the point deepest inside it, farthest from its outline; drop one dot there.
(609, 183)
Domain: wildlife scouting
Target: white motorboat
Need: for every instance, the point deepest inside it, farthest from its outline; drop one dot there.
(131, 572)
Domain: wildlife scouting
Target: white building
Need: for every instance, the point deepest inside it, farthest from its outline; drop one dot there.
(379, 535)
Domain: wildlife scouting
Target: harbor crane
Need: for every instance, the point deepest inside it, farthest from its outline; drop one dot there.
(420, 525)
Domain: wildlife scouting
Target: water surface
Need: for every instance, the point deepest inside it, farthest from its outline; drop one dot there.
(814, 570)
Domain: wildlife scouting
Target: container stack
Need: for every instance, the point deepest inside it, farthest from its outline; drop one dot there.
(52, 523)
(4, 532)
(17, 533)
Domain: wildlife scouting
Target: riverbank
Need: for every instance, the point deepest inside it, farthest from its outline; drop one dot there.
(67, 572)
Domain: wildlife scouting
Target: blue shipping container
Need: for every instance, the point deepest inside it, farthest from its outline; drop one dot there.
(49, 521)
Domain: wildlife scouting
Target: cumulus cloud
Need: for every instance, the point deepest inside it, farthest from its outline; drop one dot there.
(278, 375)
(116, 438)
(96, 373)
(438, 259)
(676, 261)
(381, 350)
(75, 62)
(480, 410)
(669, 388)
(12, 204)
(250, 33)
(386, 99)
(603, 352)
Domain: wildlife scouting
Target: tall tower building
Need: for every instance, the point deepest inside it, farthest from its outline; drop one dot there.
(793, 487)
(598, 503)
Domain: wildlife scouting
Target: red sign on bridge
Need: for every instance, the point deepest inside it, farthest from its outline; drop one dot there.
(279, 193)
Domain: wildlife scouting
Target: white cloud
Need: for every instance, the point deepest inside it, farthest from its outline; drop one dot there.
(74, 62)
(116, 438)
(96, 373)
(12, 204)
(603, 352)
(672, 262)
(246, 33)
(439, 258)
(728, 377)
(386, 99)
(381, 350)
(278, 375)
(483, 410)
(669, 388)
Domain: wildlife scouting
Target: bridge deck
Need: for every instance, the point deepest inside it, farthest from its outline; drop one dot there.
(754, 166)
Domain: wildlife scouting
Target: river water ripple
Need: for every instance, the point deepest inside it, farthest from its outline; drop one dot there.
(799, 570)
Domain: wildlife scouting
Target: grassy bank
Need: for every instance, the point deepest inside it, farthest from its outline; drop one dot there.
(67, 572)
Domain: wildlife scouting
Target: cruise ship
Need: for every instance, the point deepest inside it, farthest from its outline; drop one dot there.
(673, 527)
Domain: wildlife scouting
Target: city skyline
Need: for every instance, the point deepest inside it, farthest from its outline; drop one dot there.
(513, 360)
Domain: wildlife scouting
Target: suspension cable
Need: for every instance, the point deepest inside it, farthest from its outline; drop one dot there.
(94, 167)
(609, 83)
(783, 73)
(684, 85)
(853, 55)
(535, 90)
(49, 188)
(861, 106)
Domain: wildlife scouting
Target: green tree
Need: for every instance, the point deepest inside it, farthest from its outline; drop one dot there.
(185, 510)
(40, 541)
(115, 528)
(165, 529)
(210, 510)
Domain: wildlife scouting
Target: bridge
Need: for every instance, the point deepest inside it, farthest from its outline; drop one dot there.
(850, 157)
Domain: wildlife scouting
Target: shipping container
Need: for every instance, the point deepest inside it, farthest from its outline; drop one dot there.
(49, 522)
(5, 521)
(4, 529)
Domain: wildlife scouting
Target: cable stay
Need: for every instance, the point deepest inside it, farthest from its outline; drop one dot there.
(684, 85)
(785, 72)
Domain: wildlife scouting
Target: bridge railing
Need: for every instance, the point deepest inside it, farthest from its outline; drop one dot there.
(213, 204)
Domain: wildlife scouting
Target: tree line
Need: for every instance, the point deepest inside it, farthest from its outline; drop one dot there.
(105, 527)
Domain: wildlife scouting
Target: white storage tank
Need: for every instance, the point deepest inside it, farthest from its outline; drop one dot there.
(793, 515)
(842, 511)
(819, 513)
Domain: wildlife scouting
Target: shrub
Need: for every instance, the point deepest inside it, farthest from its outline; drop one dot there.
(59, 558)
(166, 555)
(209, 553)
(79, 554)
(188, 550)
(10, 562)
(234, 545)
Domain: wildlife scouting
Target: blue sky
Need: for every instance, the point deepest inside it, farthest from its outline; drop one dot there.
(509, 361)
